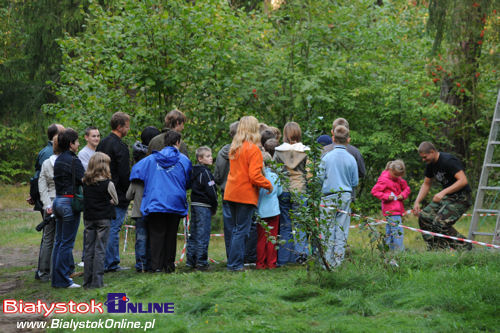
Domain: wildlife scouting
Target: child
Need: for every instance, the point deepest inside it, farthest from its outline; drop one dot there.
(392, 190)
(203, 206)
(293, 154)
(135, 192)
(99, 197)
(269, 211)
(242, 187)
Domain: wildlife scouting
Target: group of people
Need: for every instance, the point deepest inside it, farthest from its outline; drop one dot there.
(251, 191)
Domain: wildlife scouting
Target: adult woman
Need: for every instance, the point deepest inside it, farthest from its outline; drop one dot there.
(166, 175)
(292, 153)
(242, 188)
(68, 174)
(47, 189)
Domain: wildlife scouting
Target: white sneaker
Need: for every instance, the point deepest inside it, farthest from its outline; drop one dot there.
(74, 285)
(81, 264)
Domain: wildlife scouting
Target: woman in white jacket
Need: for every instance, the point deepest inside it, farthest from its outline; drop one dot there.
(47, 191)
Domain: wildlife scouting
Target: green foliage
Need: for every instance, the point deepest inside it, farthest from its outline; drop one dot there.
(217, 63)
(19, 140)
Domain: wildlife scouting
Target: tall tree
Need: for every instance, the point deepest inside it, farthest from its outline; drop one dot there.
(461, 26)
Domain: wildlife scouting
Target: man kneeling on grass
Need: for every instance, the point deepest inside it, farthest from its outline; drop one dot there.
(448, 205)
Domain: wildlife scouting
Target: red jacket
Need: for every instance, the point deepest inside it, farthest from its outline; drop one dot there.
(245, 175)
(383, 188)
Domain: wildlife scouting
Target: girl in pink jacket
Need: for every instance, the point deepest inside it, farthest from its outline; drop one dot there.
(392, 190)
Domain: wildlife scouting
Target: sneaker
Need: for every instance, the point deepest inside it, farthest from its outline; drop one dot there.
(117, 269)
(81, 264)
(74, 285)
(203, 268)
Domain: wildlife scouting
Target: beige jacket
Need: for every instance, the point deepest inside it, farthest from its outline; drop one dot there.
(294, 158)
(135, 192)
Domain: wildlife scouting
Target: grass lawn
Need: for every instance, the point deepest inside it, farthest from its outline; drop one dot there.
(429, 291)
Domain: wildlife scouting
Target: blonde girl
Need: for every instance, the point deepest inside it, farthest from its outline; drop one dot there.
(99, 200)
(392, 190)
(242, 188)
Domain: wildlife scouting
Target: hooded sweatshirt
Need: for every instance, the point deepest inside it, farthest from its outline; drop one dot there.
(204, 191)
(222, 167)
(294, 158)
(387, 186)
(167, 176)
(139, 151)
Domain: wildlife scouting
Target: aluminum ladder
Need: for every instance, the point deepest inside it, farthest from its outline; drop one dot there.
(488, 166)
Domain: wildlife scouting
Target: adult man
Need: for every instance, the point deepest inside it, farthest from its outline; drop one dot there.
(92, 136)
(220, 175)
(45, 153)
(43, 270)
(174, 121)
(350, 149)
(117, 150)
(449, 204)
(339, 173)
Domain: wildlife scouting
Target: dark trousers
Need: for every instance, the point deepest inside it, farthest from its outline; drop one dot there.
(96, 238)
(251, 243)
(44, 258)
(162, 228)
(142, 247)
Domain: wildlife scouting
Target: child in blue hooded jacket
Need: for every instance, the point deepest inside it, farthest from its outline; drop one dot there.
(268, 209)
(167, 176)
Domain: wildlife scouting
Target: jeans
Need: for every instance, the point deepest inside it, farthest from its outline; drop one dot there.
(240, 226)
(251, 243)
(46, 247)
(96, 236)
(142, 246)
(66, 229)
(199, 236)
(290, 251)
(394, 233)
(338, 226)
(113, 248)
(226, 217)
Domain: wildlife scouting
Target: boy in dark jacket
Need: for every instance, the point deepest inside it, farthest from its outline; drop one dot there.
(203, 206)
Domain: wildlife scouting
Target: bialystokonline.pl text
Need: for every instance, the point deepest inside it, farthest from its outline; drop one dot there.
(74, 325)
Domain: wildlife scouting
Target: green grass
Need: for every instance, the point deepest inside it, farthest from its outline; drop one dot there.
(429, 291)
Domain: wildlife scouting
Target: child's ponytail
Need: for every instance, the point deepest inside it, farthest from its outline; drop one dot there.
(397, 166)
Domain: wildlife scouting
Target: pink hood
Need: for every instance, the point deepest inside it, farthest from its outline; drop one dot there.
(383, 188)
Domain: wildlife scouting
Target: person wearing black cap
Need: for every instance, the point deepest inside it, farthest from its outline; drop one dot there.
(324, 140)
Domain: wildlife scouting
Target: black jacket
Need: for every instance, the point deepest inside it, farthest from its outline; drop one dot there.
(203, 187)
(63, 173)
(97, 200)
(118, 151)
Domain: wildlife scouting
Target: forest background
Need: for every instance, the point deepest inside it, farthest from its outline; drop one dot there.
(400, 71)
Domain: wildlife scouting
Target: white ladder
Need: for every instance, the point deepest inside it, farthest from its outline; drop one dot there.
(488, 165)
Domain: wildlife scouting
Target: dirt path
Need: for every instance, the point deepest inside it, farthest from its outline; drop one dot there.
(9, 281)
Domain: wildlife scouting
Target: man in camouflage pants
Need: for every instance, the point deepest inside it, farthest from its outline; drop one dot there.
(448, 205)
